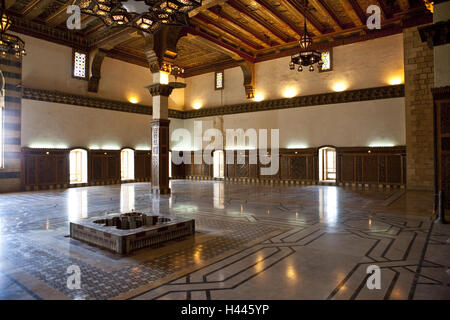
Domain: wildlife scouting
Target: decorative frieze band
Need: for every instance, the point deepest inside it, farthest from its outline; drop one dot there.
(79, 100)
(386, 92)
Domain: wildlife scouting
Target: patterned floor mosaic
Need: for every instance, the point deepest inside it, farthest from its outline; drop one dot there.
(252, 242)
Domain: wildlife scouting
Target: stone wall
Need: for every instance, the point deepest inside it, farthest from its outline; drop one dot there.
(419, 79)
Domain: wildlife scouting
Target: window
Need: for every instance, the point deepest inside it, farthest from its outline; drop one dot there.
(78, 166)
(327, 160)
(326, 58)
(80, 64)
(170, 164)
(219, 80)
(127, 163)
(218, 164)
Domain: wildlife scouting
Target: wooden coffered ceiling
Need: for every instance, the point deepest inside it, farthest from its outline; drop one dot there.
(223, 33)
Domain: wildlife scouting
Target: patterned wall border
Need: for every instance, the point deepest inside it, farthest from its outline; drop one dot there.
(385, 92)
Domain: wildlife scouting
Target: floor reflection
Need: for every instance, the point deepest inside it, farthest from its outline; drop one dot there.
(127, 198)
(77, 204)
(219, 195)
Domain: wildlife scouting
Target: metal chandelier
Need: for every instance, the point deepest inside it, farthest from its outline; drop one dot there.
(145, 15)
(9, 44)
(307, 57)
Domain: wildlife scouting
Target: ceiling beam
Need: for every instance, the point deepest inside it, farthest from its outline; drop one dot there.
(273, 12)
(252, 15)
(9, 3)
(212, 39)
(327, 10)
(385, 9)
(35, 8)
(113, 39)
(313, 21)
(206, 20)
(217, 10)
(354, 10)
(215, 47)
(58, 17)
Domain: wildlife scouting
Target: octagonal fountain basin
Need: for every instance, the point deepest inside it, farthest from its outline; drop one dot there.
(123, 233)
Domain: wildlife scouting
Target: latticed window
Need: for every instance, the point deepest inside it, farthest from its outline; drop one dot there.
(80, 64)
(219, 80)
(326, 58)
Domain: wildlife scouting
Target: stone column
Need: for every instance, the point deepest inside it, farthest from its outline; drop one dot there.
(160, 137)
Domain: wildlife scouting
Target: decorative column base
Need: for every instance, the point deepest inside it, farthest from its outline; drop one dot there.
(160, 156)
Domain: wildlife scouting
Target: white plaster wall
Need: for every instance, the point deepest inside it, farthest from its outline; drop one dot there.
(366, 123)
(49, 66)
(359, 65)
(55, 125)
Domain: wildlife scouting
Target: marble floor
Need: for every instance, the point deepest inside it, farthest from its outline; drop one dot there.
(251, 242)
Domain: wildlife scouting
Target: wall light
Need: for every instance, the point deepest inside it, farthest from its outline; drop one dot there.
(340, 86)
(133, 100)
(395, 80)
(382, 144)
(297, 146)
(197, 105)
(289, 92)
(47, 146)
(259, 97)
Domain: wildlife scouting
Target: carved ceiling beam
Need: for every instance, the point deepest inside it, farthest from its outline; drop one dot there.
(206, 4)
(58, 17)
(355, 12)
(255, 17)
(215, 47)
(327, 10)
(35, 8)
(230, 33)
(297, 6)
(217, 10)
(385, 9)
(9, 3)
(277, 15)
(224, 45)
(112, 38)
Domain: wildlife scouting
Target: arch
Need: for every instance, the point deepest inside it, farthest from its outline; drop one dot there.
(327, 163)
(78, 159)
(127, 164)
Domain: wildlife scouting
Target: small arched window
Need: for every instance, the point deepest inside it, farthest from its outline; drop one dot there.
(78, 166)
(127, 164)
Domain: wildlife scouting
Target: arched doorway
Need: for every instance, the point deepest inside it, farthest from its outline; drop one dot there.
(327, 164)
(78, 159)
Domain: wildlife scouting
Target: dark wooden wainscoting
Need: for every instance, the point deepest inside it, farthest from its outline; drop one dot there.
(441, 98)
(45, 167)
(143, 165)
(354, 165)
(371, 165)
(196, 170)
(104, 166)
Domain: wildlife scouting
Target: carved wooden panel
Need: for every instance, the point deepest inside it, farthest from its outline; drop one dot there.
(143, 165)
(370, 169)
(298, 168)
(45, 167)
(348, 168)
(242, 170)
(104, 165)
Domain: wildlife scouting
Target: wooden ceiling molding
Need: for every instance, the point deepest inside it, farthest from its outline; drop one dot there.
(225, 33)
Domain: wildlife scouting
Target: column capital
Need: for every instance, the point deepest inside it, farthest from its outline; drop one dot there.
(159, 89)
